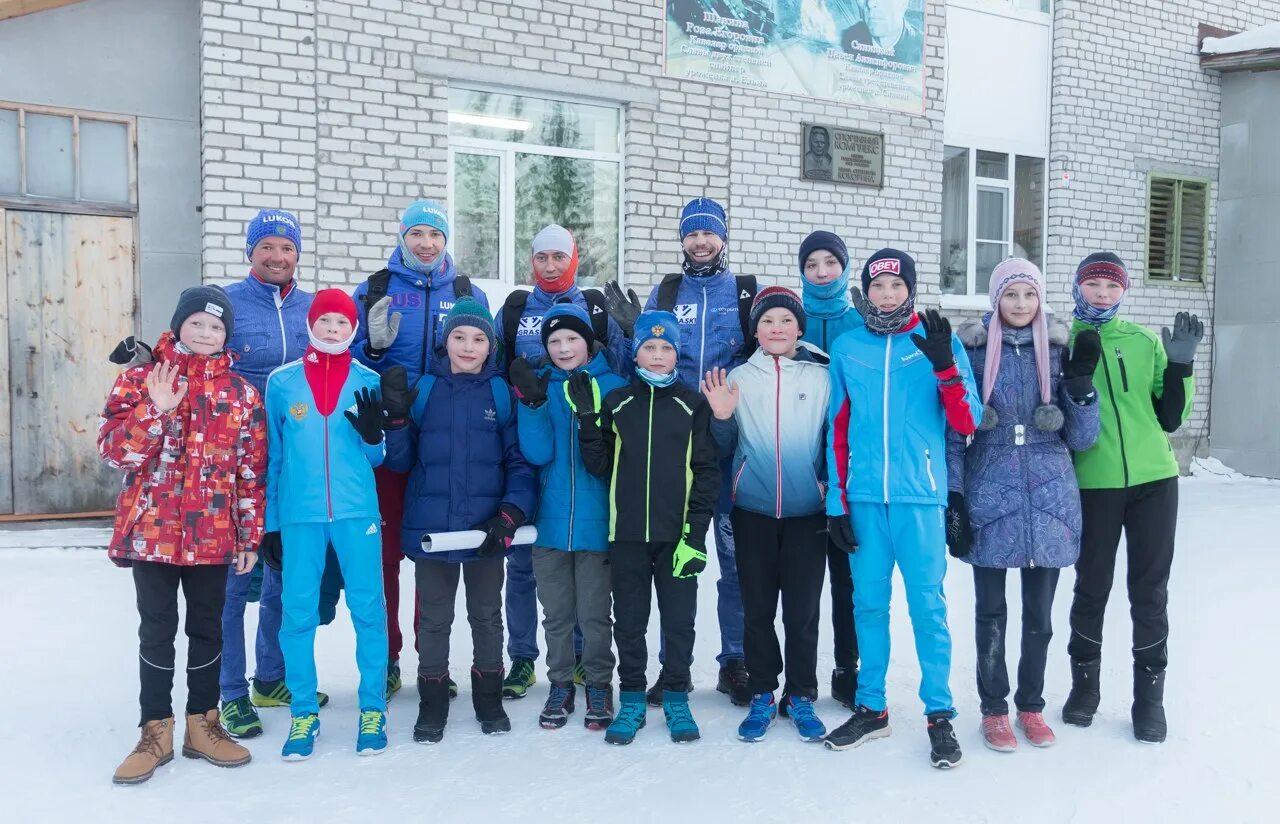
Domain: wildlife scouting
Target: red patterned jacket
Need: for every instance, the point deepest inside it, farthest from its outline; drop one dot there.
(195, 477)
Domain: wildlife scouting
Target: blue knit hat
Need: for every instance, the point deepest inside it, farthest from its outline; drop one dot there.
(425, 213)
(890, 262)
(467, 311)
(658, 324)
(272, 222)
(703, 213)
(571, 316)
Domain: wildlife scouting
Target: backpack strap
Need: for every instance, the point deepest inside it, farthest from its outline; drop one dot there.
(462, 287)
(423, 386)
(598, 314)
(379, 282)
(668, 290)
(512, 311)
(503, 403)
(746, 286)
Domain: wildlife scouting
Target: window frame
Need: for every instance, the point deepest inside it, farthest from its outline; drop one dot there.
(24, 200)
(506, 151)
(1174, 278)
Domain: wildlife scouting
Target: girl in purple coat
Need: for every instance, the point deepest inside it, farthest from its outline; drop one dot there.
(1013, 501)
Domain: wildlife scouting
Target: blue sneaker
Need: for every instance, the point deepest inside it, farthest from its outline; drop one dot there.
(759, 718)
(680, 723)
(630, 719)
(302, 737)
(372, 738)
(800, 710)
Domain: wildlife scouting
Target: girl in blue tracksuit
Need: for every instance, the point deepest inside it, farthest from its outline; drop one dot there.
(824, 276)
(320, 492)
(770, 414)
(893, 393)
(571, 559)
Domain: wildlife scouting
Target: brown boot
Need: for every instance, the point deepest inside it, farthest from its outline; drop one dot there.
(155, 749)
(208, 740)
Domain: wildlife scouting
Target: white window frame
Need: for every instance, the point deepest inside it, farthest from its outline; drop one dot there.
(507, 151)
(972, 300)
(1005, 8)
(72, 205)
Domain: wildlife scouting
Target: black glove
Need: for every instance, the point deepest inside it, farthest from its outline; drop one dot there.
(936, 343)
(271, 550)
(397, 397)
(959, 530)
(1078, 368)
(368, 417)
(580, 390)
(499, 530)
(624, 309)
(840, 528)
(1180, 344)
(530, 389)
(130, 352)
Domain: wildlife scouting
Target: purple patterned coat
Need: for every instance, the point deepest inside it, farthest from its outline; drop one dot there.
(1017, 478)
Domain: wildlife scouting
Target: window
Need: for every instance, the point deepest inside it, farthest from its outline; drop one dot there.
(992, 208)
(61, 157)
(518, 163)
(1177, 227)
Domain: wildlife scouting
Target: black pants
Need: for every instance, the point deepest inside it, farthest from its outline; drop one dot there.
(845, 646)
(1148, 514)
(438, 590)
(205, 589)
(784, 557)
(638, 570)
(990, 614)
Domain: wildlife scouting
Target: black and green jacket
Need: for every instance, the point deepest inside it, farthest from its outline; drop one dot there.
(655, 445)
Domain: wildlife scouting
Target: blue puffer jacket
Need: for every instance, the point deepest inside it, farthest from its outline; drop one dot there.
(529, 329)
(778, 434)
(886, 441)
(573, 504)
(269, 332)
(462, 463)
(319, 469)
(410, 295)
(1018, 480)
(710, 329)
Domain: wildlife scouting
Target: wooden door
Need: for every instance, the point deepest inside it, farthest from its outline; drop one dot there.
(70, 283)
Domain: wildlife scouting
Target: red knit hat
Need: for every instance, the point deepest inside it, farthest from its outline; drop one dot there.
(331, 300)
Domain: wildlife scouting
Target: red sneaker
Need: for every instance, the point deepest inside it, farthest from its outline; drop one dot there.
(1035, 729)
(997, 734)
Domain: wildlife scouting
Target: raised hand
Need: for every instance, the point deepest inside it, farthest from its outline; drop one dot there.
(130, 352)
(936, 342)
(165, 388)
(1181, 344)
(1078, 368)
(582, 391)
(624, 309)
(382, 328)
(530, 389)
(722, 396)
(368, 418)
(397, 397)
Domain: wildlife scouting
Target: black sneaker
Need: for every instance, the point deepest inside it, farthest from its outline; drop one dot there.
(863, 726)
(733, 682)
(555, 713)
(944, 749)
(844, 686)
(1082, 701)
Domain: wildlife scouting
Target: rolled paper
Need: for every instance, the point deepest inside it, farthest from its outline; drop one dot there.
(471, 538)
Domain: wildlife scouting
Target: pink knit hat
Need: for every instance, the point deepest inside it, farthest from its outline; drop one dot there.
(1009, 272)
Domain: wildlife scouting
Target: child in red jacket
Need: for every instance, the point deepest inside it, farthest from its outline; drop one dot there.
(190, 436)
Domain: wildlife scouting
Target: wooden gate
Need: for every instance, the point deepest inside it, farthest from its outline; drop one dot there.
(68, 298)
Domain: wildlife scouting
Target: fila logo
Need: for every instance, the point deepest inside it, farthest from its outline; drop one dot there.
(687, 313)
(531, 325)
(891, 266)
(595, 310)
(745, 295)
(490, 416)
(372, 530)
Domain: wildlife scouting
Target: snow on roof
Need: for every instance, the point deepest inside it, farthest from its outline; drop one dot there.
(1264, 37)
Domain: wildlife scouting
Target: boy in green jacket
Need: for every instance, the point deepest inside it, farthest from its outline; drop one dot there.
(1128, 480)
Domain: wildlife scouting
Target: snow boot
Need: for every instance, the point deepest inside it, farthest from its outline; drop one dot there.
(733, 682)
(371, 737)
(800, 710)
(519, 679)
(944, 749)
(433, 709)
(154, 750)
(486, 699)
(1036, 730)
(1149, 725)
(276, 694)
(759, 718)
(555, 713)
(301, 741)
(393, 678)
(863, 726)
(680, 723)
(1082, 701)
(240, 718)
(654, 696)
(599, 708)
(844, 686)
(997, 734)
(207, 739)
(630, 719)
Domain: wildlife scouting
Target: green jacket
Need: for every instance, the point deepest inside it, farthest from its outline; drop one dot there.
(1141, 397)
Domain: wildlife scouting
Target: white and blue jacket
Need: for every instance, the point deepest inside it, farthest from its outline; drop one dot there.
(710, 326)
(269, 331)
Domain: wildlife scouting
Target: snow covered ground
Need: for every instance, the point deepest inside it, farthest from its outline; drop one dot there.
(69, 686)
